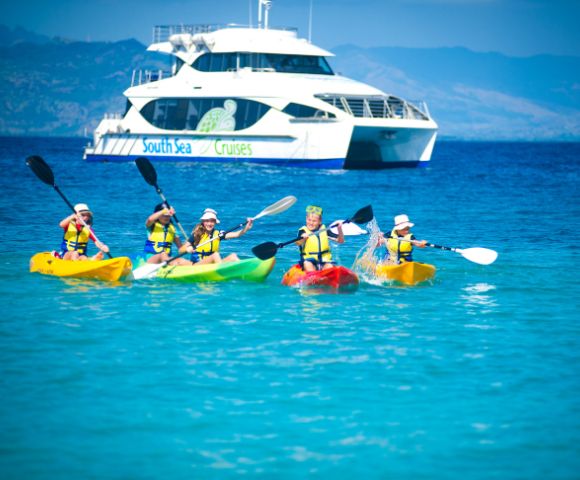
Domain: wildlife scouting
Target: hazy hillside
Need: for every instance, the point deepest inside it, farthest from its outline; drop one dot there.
(477, 95)
(60, 87)
(9, 36)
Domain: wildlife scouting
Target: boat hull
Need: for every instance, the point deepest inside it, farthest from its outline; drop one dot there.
(109, 270)
(327, 163)
(336, 278)
(375, 148)
(408, 273)
(250, 269)
(333, 145)
(313, 147)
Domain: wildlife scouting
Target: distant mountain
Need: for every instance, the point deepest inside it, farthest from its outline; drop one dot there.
(9, 36)
(60, 87)
(477, 95)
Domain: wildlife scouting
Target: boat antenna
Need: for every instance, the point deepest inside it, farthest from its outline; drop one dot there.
(250, 12)
(310, 24)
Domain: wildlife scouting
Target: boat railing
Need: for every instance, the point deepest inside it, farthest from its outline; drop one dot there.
(161, 33)
(378, 106)
(141, 77)
(422, 106)
(112, 116)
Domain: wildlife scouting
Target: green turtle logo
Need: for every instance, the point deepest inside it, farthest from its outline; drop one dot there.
(219, 119)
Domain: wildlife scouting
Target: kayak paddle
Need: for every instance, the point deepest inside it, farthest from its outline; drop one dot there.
(44, 173)
(267, 250)
(150, 175)
(349, 229)
(482, 256)
(280, 206)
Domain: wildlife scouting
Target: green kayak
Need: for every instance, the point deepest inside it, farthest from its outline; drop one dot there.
(250, 269)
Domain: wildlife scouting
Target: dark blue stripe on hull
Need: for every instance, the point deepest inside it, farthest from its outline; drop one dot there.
(331, 163)
(364, 165)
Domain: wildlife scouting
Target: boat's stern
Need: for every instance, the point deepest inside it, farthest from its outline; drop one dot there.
(375, 146)
(387, 131)
(110, 125)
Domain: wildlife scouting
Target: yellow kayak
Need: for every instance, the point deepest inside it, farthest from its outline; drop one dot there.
(108, 270)
(409, 273)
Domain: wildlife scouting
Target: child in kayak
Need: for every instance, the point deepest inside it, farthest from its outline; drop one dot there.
(400, 241)
(77, 234)
(162, 235)
(315, 251)
(204, 242)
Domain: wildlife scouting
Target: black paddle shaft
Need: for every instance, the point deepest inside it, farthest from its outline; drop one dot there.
(441, 247)
(42, 170)
(149, 173)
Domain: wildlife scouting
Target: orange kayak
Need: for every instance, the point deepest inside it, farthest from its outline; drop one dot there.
(338, 278)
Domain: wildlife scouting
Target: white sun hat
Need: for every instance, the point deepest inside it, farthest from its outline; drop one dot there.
(402, 221)
(209, 214)
(82, 207)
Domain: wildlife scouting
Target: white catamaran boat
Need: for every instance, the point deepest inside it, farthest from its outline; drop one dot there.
(261, 95)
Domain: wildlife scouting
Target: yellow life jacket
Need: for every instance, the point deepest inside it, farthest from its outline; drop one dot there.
(160, 238)
(75, 240)
(316, 247)
(400, 251)
(211, 247)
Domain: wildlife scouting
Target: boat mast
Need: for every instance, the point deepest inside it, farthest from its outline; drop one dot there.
(310, 24)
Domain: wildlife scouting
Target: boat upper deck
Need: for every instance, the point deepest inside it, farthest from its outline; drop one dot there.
(187, 39)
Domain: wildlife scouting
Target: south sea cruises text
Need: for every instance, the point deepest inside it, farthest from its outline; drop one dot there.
(176, 146)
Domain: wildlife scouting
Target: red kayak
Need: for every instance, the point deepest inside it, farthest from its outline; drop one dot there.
(338, 278)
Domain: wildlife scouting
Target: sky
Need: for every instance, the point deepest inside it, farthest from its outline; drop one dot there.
(512, 27)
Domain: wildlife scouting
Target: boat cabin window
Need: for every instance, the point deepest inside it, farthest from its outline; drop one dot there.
(177, 64)
(203, 114)
(216, 62)
(304, 111)
(263, 62)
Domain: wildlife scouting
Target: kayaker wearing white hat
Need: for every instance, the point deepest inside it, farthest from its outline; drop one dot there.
(77, 232)
(400, 242)
(205, 231)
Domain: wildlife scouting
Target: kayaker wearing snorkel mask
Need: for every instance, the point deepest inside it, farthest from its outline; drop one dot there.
(315, 253)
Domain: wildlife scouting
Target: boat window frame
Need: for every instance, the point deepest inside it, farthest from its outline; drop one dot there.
(189, 111)
(299, 110)
(210, 62)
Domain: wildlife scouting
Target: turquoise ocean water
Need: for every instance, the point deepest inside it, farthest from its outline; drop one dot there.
(475, 376)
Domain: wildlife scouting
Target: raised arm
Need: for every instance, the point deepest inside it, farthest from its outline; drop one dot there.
(151, 219)
(64, 223)
(239, 233)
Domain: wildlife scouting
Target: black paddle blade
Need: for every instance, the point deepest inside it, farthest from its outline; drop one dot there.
(41, 169)
(265, 250)
(364, 215)
(147, 170)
